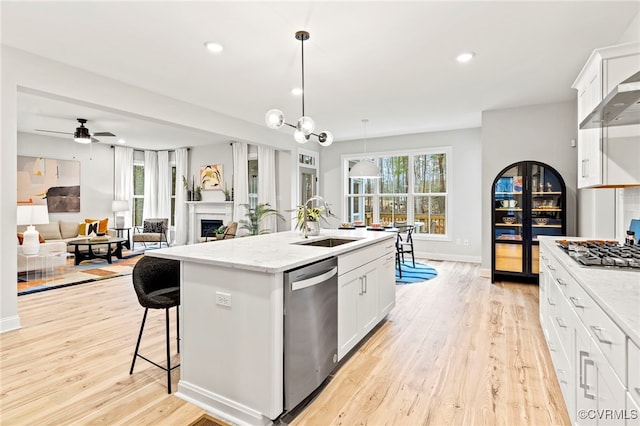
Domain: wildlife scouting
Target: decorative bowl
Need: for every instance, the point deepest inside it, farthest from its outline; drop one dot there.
(509, 219)
(345, 225)
(541, 220)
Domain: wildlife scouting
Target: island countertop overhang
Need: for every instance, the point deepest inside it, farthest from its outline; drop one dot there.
(271, 253)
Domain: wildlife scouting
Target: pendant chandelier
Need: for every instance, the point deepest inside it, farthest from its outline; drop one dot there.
(305, 125)
(364, 169)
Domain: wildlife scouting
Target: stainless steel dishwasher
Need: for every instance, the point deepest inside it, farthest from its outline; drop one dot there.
(310, 328)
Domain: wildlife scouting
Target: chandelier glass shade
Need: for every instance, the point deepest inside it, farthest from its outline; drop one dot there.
(305, 126)
(364, 169)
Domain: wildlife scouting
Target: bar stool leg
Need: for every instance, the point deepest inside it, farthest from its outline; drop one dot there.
(168, 352)
(135, 354)
(178, 326)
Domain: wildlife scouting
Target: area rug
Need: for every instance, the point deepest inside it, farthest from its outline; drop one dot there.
(420, 273)
(87, 272)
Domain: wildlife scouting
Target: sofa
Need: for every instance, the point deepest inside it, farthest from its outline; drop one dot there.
(56, 234)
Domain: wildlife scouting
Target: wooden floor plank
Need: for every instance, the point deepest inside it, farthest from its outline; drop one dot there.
(455, 350)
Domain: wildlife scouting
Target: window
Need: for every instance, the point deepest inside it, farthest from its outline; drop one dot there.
(173, 194)
(253, 182)
(413, 187)
(138, 192)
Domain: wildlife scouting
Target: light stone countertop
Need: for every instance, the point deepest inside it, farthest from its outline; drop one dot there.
(615, 290)
(270, 253)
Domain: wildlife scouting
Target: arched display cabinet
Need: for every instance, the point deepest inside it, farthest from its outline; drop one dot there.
(527, 199)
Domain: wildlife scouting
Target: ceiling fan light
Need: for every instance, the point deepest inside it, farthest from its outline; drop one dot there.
(365, 169)
(300, 137)
(274, 118)
(306, 125)
(81, 135)
(325, 138)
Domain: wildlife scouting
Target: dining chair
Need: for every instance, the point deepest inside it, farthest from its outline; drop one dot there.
(404, 244)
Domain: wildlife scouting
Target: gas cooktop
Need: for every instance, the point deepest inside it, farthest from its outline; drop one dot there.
(603, 253)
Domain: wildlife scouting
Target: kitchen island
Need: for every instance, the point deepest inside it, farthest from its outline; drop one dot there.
(232, 307)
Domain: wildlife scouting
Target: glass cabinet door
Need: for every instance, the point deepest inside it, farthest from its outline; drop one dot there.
(508, 204)
(546, 202)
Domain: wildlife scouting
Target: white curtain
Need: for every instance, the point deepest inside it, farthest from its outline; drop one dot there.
(240, 183)
(150, 209)
(267, 184)
(181, 225)
(123, 179)
(164, 186)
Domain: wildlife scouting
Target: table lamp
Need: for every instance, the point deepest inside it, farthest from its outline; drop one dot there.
(32, 215)
(119, 206)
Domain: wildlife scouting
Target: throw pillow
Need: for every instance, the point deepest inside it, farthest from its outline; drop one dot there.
(104, 224)
(152, 227)
(86, 229)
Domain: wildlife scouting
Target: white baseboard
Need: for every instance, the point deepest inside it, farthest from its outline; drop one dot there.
(9, 323)
(450, 257)
(485, 273)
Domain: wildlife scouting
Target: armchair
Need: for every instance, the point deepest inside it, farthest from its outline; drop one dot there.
(152, 231)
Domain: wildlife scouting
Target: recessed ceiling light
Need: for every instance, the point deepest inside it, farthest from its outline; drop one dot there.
(465, 57)
(296, 91)
(121, 141)
(213, 46)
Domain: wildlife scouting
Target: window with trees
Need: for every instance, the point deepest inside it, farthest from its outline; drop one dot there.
(413, 187)
(138, 192)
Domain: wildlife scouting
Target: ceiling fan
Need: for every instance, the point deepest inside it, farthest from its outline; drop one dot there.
(82, 134)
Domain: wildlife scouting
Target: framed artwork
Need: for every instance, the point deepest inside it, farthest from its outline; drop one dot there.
(55, 183)
(211, 177)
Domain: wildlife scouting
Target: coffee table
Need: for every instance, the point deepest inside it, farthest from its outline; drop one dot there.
(84, 249)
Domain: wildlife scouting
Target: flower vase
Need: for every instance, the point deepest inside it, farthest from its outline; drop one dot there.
(313, 228)
(189, 195)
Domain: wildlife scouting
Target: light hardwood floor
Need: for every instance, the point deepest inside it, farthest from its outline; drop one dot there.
(455, 350)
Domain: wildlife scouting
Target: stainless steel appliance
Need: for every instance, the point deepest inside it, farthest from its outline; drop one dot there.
(310, 328)
(603, 253)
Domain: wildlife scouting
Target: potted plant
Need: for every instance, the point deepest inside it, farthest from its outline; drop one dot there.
(227, 194)
(186, 186)
(220, 232)
(314, 216)
(254, 218)
(197, 196)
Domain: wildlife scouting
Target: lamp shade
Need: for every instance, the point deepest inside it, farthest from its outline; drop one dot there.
(32, 215)
(120, 206)
(364, 169)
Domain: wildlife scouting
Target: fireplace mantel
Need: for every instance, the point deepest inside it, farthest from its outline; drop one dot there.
(222, 210)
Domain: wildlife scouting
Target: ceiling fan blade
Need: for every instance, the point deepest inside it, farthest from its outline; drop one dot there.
(53, 131)
(94, 139)
(103, 134)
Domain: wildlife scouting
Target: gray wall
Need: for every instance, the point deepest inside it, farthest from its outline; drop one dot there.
(465, 201)
(541, 133)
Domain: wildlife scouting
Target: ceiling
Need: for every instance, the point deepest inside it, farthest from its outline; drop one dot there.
(391, 62)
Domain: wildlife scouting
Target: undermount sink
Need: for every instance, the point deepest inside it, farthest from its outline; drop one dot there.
(328, 242)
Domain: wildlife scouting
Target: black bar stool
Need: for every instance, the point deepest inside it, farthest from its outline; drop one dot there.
(157, 285)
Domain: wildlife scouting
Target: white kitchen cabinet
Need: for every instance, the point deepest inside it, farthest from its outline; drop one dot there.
(366, 293)
(595, 362)
(608, 156)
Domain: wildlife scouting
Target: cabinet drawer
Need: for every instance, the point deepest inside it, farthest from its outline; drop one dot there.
(350, 261)
(633, 371)
(562, 319)
(608, 337)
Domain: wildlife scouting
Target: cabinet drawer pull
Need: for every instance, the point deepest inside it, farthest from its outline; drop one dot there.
(551, 267)
(551, 302)
(361, 292)
(560, 322)
(576, 302)
(584, 363)
(597, 331)
(561, 281)
(365, 284)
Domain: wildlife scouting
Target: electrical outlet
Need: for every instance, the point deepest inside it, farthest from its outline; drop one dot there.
(223, 299)
(466, 242)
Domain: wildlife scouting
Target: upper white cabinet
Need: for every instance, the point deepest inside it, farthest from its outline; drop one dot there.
(607, 156)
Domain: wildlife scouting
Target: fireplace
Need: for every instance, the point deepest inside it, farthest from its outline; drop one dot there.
(207, 226)
(201, 211)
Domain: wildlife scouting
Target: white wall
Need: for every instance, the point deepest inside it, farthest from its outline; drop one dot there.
(96, 172)
(465, 201)
(538, 133)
